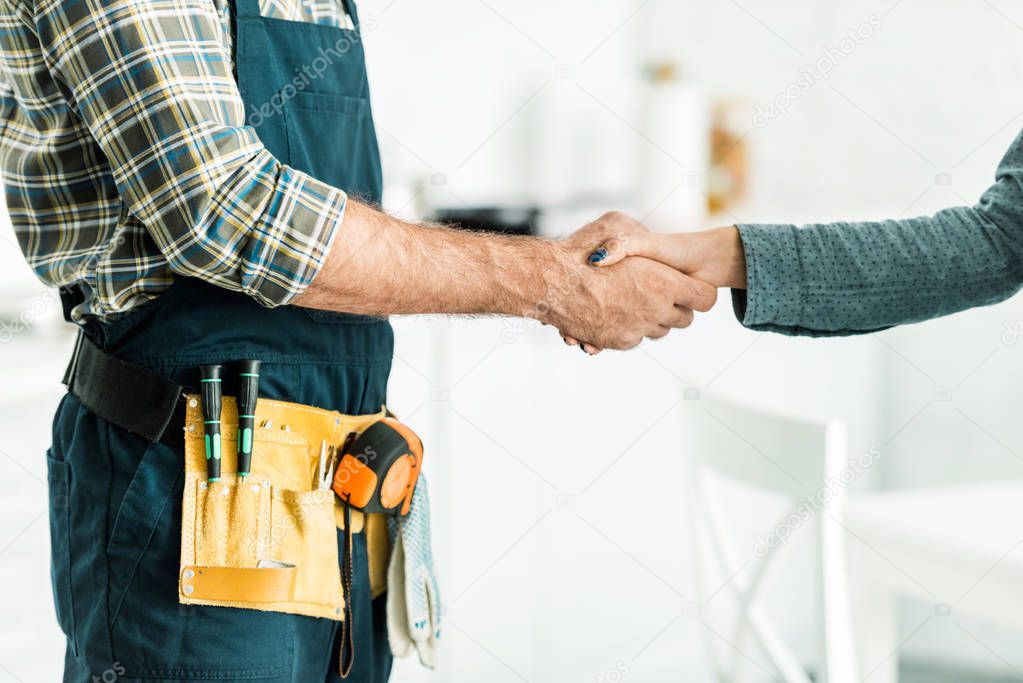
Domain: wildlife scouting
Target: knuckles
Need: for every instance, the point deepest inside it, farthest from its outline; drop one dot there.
(615, 217)
(630, 342)
(621, 340)
(695, 294)
(704, 297)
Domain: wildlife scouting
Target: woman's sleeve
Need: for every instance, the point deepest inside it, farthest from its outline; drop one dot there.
(852, 278)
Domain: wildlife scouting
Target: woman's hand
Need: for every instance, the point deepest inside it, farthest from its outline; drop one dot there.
(714, 256)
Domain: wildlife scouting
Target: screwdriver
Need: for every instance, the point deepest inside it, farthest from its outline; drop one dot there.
(248, 394)
(211, 395)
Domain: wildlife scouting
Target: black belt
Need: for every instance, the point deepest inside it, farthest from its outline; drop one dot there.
(126, 395)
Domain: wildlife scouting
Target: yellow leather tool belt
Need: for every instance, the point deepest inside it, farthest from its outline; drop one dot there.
(270, 542)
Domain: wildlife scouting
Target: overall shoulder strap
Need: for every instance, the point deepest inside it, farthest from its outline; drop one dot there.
(349, 6)
(244, 8)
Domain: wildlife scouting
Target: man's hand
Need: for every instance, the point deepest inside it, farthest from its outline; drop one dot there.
(380, 265)
(715, 256)
(616, 308)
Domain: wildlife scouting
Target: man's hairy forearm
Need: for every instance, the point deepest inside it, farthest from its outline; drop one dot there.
(379, 265)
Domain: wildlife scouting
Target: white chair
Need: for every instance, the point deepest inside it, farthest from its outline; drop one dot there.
(790, 458)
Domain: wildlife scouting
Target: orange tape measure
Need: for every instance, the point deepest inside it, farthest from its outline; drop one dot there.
(379, 468)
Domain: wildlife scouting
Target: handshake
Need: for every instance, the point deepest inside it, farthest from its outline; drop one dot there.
(613, 283)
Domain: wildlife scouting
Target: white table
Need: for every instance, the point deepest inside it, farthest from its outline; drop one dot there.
(960, 548)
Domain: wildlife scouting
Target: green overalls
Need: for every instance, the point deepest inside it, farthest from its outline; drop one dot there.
(115, 498)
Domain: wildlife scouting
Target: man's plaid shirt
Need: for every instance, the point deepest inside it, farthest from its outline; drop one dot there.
(126, 159)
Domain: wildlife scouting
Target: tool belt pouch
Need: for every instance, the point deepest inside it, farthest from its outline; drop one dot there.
(269, 542)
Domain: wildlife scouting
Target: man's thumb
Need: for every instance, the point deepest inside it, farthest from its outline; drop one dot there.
(614, 250)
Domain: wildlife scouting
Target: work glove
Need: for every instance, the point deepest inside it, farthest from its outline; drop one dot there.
(413, 594)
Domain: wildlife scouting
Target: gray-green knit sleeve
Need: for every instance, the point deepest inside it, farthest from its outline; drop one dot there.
(853, 278)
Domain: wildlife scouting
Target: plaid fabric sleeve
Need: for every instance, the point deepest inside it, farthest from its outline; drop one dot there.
(152, 80)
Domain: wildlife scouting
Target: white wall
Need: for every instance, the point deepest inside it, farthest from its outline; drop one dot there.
(470, 90)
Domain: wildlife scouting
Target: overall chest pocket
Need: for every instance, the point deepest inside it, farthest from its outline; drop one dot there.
(324, 12)
(332, 138)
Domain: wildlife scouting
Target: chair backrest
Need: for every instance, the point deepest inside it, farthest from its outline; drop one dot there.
(801, 461)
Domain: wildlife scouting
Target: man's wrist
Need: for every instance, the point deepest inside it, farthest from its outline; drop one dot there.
(543, 267)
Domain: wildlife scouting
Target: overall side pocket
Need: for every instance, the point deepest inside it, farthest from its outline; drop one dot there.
(145, 501)
(58, 476)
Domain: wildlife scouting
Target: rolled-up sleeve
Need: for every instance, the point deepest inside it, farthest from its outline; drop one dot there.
(153, 82)
(853, 278)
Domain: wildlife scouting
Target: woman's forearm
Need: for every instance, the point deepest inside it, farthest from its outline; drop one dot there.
(852, 278)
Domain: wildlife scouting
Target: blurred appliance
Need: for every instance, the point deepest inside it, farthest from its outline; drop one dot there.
(509, 220)
(673, 164)
(727, 179)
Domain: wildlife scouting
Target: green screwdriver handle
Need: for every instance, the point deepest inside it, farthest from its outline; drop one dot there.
(211, 397)
(248, 394)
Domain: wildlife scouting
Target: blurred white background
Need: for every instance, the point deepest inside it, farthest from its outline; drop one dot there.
(560, 522)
